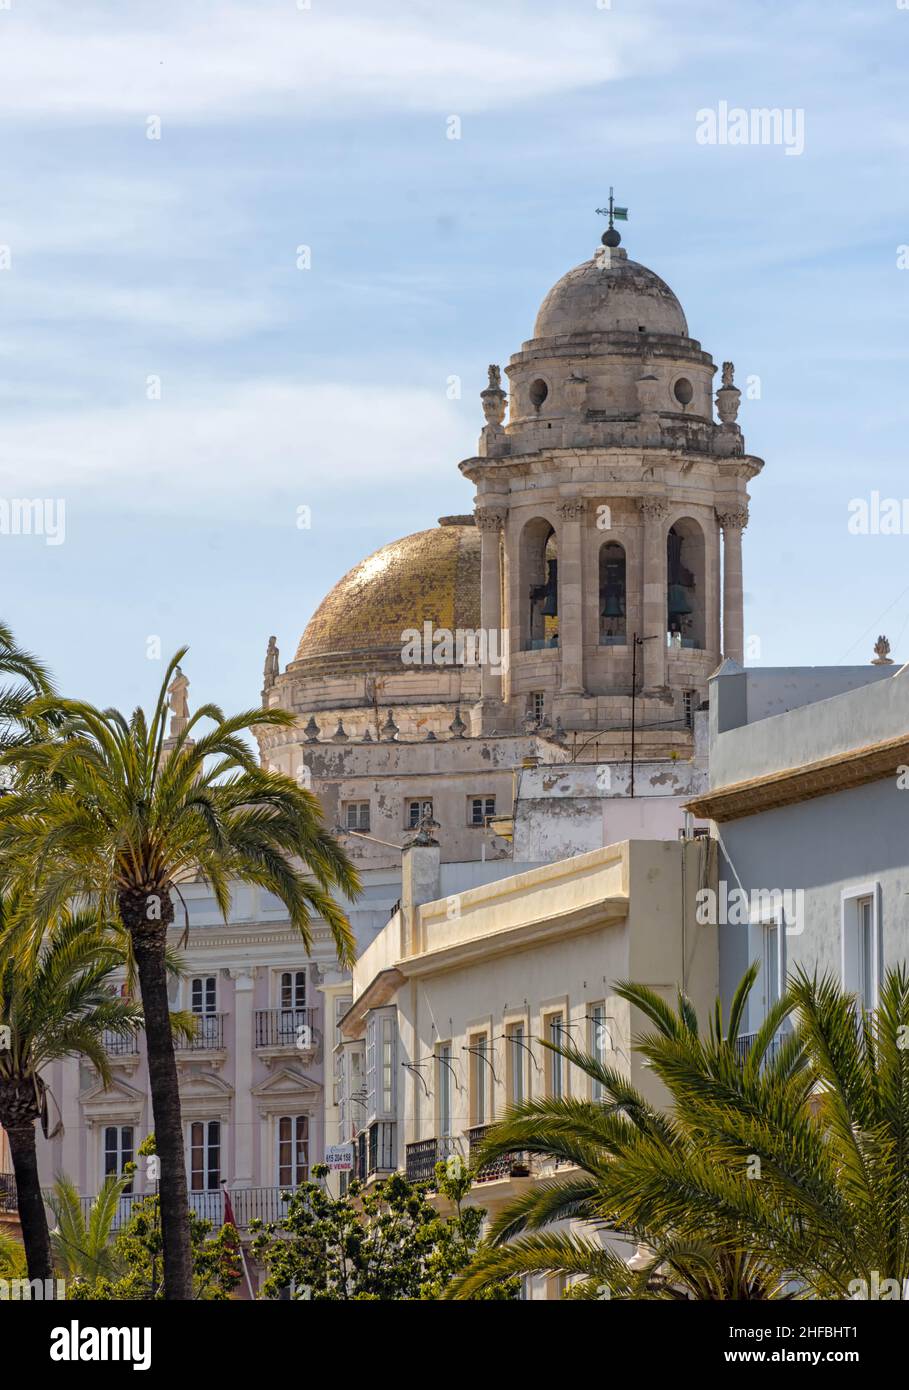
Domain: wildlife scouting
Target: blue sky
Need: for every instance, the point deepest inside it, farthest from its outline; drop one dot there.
(175, 258)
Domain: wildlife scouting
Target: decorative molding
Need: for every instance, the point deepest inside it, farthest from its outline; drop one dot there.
(734, 517)
(571, 508)
(653, 508)
(490, 518)
(822, 777)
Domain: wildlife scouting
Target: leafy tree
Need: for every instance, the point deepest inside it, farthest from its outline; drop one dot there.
(103, 810)
(82, 1243)
(22, 679)
(56, 1002)
(778, 1173)
(136, 1260)
(382, 1241)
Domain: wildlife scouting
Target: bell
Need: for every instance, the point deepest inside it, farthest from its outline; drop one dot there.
(548, 592)
(678, 601)
(612, 608)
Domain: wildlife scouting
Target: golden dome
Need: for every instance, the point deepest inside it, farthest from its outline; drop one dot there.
(431, 576)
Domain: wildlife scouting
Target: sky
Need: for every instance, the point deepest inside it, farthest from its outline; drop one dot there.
(185, 378)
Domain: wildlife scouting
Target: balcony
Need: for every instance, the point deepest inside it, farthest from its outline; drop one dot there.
(208, 1037)
(745, 1042)
(512, 1165)
(383, 1147)
(422, 1157)
(120, 1047)
(282, 1031)
(249, 1203)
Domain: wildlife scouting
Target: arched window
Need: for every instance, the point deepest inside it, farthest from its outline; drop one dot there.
(612, 594)
(685, 584)
(540, 584)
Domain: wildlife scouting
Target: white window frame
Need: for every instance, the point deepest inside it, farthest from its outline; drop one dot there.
(596, 1018)
(293, 971)
(444, 1083)
(761, 923)
(203, 981)
(425, 808)
(850, 950)
(516, 1060)
(206, 1121)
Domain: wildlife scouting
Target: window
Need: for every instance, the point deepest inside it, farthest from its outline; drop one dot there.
(381, 1049)
(444, 1079)
(118, 1150)
(537, 705)
(555, 1062)
(356, 815)
(416, 810)
(683, 391)
(204, 996)
(479, 1079)
(689, 705)
(612, 594)
(515, 1063)
(293, 1150)
(599, 1044)
(478, 808)
(538, 392)
(205, 1155)
(772, 965)
(293, 989)
(861, 945)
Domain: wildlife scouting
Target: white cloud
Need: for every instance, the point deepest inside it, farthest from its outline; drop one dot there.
(237, 448)
(226, 62)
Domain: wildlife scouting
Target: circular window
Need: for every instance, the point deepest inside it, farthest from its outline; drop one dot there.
(683, 391)
(538, 393)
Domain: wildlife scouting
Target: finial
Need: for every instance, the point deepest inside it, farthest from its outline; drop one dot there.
(311, 732)
(390, 729)
(457, 727)
(611, 237)
(340, 734)
(882, 655)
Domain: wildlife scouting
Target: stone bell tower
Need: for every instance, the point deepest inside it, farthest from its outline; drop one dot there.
(611, 508)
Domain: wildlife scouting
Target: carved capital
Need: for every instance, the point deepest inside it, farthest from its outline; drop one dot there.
(490, 518)
(733, 518)
(653, 508)
(572, 508)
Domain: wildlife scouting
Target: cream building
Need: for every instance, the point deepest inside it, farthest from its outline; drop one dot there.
(452, 998)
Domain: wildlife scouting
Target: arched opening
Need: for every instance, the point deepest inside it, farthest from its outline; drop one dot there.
(538, 392)
(540, 585)
(612, 594)
(685, 584)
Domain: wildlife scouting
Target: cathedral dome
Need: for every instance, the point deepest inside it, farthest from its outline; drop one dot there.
(618, 297)
(430, 576)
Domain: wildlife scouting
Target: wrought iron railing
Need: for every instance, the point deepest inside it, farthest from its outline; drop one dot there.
(745, 1042)
(421, 1158)
(285, 1028)
(8, 1199)
(507, 1165)
(209, 1035)
(261, 1203)
(121, 1045)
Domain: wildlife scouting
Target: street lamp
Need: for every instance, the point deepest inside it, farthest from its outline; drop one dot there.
(636, 642)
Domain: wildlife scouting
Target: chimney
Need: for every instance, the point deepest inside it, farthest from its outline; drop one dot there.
(420, 883)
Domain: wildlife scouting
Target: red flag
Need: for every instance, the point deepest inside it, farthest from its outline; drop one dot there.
(229, 1218)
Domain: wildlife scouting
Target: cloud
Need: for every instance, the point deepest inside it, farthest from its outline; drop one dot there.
(260, 448)
(227, 62)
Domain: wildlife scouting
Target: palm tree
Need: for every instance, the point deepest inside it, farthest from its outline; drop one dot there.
(82, 1246)
(56, 1002)
(22, 679)
(106, 809)
(778, 1171)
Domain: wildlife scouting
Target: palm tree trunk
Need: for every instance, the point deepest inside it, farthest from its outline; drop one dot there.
(32, 1215)
(148, 945)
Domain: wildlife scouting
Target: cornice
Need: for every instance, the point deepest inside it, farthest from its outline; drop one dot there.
(840, 772)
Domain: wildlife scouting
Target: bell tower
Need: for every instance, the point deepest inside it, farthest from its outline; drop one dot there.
(611, 507)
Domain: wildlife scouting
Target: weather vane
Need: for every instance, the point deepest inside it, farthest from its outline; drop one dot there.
(611, 237)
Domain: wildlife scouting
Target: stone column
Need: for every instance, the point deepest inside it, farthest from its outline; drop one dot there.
(244, 982)
(490, 521)
(733, 521)
(571, 595)
(653, 652)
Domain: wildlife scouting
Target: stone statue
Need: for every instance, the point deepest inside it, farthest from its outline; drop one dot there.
(728, 397)
(494, 398)
(495, 377)
(178, 702)
(728, 374)
(272, 666)
(882, 655)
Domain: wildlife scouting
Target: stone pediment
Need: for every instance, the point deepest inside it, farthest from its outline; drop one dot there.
(289, 1086)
